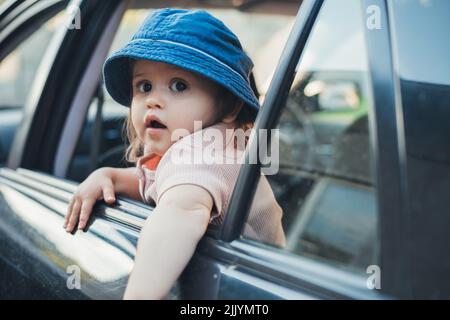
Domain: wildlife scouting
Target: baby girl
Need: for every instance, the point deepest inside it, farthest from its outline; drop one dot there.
(181, 68)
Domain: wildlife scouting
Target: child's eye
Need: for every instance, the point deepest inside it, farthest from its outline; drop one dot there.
(178, 86)
(144, 86)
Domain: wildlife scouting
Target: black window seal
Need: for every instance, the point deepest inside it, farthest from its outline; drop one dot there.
(388, 148)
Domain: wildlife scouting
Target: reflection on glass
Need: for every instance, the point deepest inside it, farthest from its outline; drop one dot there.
(325, 183)
(18, 69)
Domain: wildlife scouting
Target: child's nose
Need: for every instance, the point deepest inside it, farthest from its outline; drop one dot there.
(155, 100)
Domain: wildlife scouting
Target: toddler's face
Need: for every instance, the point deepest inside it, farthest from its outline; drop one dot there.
(166, 98)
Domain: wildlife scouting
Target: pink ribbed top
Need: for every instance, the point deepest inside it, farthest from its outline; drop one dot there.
(216, 173)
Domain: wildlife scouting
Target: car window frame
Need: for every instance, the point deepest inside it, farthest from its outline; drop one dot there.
(21, 21)
(389, 150)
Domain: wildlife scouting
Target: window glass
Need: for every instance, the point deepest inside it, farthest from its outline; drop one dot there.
(17, 72)
(324, 184)
(18, 69)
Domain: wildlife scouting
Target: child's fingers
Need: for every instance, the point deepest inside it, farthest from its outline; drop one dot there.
(69, 211)
(108, 195)
(86, 210)
(74, 215)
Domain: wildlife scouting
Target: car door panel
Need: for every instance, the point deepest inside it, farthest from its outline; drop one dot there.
(218, 271)
(38, 254)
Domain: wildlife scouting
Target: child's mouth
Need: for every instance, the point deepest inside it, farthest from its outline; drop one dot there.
(156, 125)
(153, 122)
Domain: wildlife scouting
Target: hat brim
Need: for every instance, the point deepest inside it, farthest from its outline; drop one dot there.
(117, 74)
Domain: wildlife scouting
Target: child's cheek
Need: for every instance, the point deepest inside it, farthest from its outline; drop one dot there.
(137, 121)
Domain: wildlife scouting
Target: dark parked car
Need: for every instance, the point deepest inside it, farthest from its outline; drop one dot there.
(359, 92)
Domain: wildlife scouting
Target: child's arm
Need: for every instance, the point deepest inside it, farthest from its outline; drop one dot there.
(103, 183)
(168, 241)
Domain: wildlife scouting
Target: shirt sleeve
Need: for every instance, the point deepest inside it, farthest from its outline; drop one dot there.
(146, 179)
(179, 168)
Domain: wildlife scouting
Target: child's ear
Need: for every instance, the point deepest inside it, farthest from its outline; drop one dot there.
(231, 117)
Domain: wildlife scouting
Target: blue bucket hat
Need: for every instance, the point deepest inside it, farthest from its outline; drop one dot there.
(190, 39)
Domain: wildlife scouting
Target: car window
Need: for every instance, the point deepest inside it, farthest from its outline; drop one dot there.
(257, 31)
(18, 69)
(17, 72)
(324, 183)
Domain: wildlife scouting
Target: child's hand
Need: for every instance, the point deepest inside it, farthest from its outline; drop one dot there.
(99, 185)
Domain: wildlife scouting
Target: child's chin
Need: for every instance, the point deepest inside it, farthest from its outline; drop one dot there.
(156, 148)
